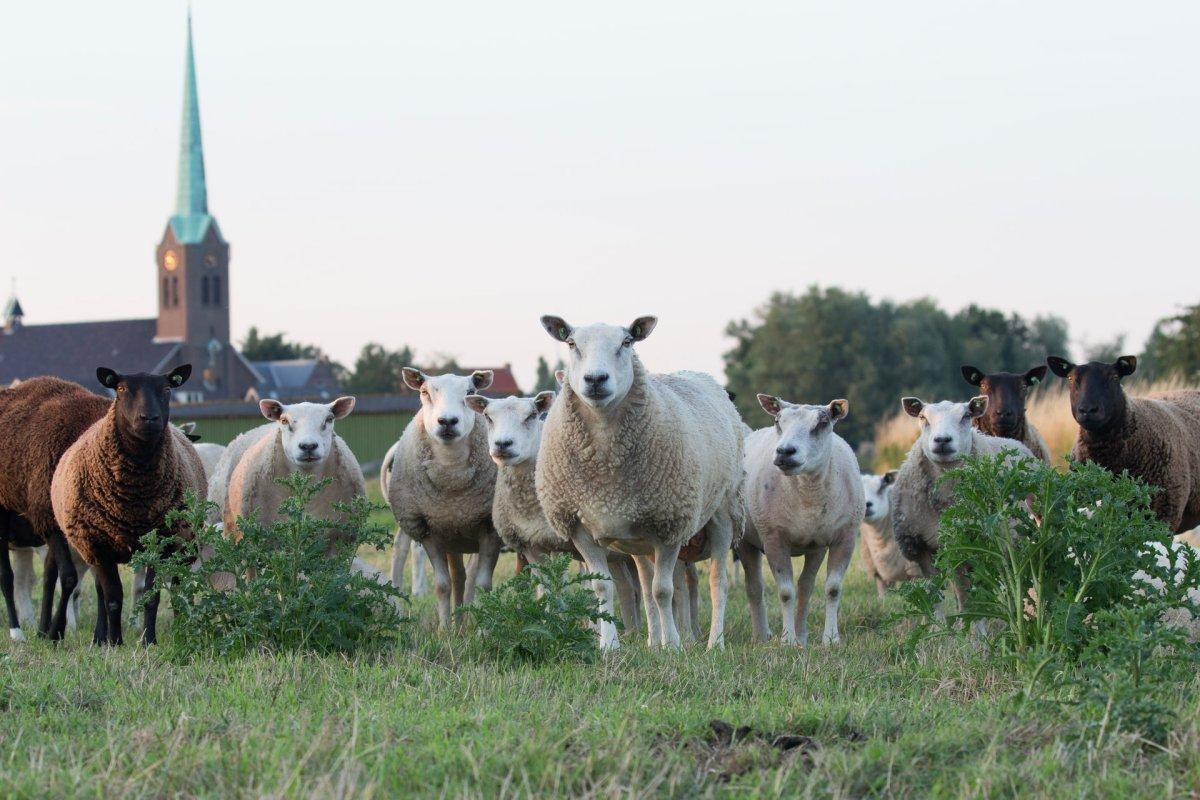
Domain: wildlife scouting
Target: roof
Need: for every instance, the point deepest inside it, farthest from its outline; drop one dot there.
(364, 404)
(296, 377)
(503, 380)
(191, 220)
(13, 308)
(73, 350)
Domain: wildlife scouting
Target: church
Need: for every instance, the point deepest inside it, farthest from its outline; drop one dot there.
(192, 326)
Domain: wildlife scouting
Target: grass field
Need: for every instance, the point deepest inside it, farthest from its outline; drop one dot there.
(435, 719)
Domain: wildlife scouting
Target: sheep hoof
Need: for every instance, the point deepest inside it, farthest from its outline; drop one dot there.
(16, 634)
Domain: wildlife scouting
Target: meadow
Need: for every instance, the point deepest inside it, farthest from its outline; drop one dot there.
(435, 717)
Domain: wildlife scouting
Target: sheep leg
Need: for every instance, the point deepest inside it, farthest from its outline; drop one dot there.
(839, 561)
(150, 614)
(49, 581)
(626, 593)
(692, 574)
(458, 577)
(928, 570)
(645, 570)
(804, 590)
(10, 604)
(489, 554)
(68, 579)
(400, 547)
(751, 559)
(420, 579)
(780, 560)
(597, 562)
(24, 580)
(472, 575)
(665, 559)
(109, 580)
(721, 536)
(868, 559)
(100, 631)
(441, 580)
(682, 609)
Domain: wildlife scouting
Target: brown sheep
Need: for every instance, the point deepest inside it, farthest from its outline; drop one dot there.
(1005, 415)
(1156, 438)
(119, 480)
(39, 419)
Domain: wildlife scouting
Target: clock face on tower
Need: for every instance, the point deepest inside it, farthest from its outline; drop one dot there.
(170, 260)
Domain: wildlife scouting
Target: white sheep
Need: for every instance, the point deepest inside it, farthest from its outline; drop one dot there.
(947, 437)
(881, 556)
(403, 547)
(642, 464)
(803, 497)
(441, 484)
(514, 426)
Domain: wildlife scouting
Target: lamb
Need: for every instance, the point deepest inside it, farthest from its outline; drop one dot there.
(803, 497)
(884, 562)
(119, 480)
(441, 485)
(642, 464)
(39, 419)
(1156, 438)
(1005, 417)
(947, 437)
(514, 426)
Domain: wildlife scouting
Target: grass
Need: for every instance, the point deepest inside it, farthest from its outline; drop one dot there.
(435, 720)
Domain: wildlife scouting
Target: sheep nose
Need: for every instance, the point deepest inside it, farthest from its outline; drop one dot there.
(308, 447)
(1007, 413)
(447, 422)
(503, 444)
(785, 450)
(148, 417)
(1088, 410)
(942, 439)
(870, 505)
(595, 379)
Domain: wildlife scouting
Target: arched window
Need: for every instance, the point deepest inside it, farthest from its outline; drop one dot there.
(174, 290)
(166, 297)
(216, 290)
(204, 290)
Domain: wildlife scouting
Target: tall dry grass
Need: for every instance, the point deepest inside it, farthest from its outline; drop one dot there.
(1049, 410)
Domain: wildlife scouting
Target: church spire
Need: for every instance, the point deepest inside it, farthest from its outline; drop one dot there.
(192, 195)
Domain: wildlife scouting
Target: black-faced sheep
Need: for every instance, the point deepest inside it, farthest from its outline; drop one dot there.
(1156, 438)
(119, 480)
(39, 419)
(1005, 415)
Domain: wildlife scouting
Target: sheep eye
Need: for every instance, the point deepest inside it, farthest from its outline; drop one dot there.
(628, 342)
(531, 417)
(571, 343)
(121, 389)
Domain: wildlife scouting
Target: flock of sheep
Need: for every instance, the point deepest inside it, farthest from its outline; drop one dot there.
(639, 475)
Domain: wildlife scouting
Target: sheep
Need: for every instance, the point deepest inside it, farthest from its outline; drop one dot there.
(803, 497)
(947, 437)
(119, 480)
(884, 562)
(642, 464)
(441, 485)
(210, 455)
(403, 546)
(1005, 417)
(39, 419)
(1156, 438)
(514, 426)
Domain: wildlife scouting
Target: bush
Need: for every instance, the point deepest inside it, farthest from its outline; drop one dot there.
(1068, 591)
(540, 615)
(287, 593)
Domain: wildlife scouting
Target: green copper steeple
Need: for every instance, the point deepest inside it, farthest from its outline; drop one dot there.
(191, 219)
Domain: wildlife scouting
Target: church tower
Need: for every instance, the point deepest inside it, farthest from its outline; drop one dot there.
(192, 264)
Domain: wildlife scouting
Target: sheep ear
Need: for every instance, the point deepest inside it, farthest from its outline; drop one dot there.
(342, 407)
(543, 400)
(476, 402)
(560, 375)
(1035, 376)
(972, 375)
(1059, 366)
(911, 405)
(1125, 365)
(188, 428)
(557, 327)
(108, 378)
(642, 327)
(770, 404)
(271, 409)
(178, 376)
(482, 379)
(413, 378)
(889, 477)
(193, 437)
(977, 405)
(838, 410)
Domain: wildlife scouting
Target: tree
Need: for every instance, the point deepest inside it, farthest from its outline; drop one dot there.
(1108, 351)
(256, 347)
(1173, 349)
(377, 369)
(546, 381)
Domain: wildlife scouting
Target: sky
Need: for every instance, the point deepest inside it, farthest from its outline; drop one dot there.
(442, 174)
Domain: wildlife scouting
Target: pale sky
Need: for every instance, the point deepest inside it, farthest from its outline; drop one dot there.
(441, 174)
